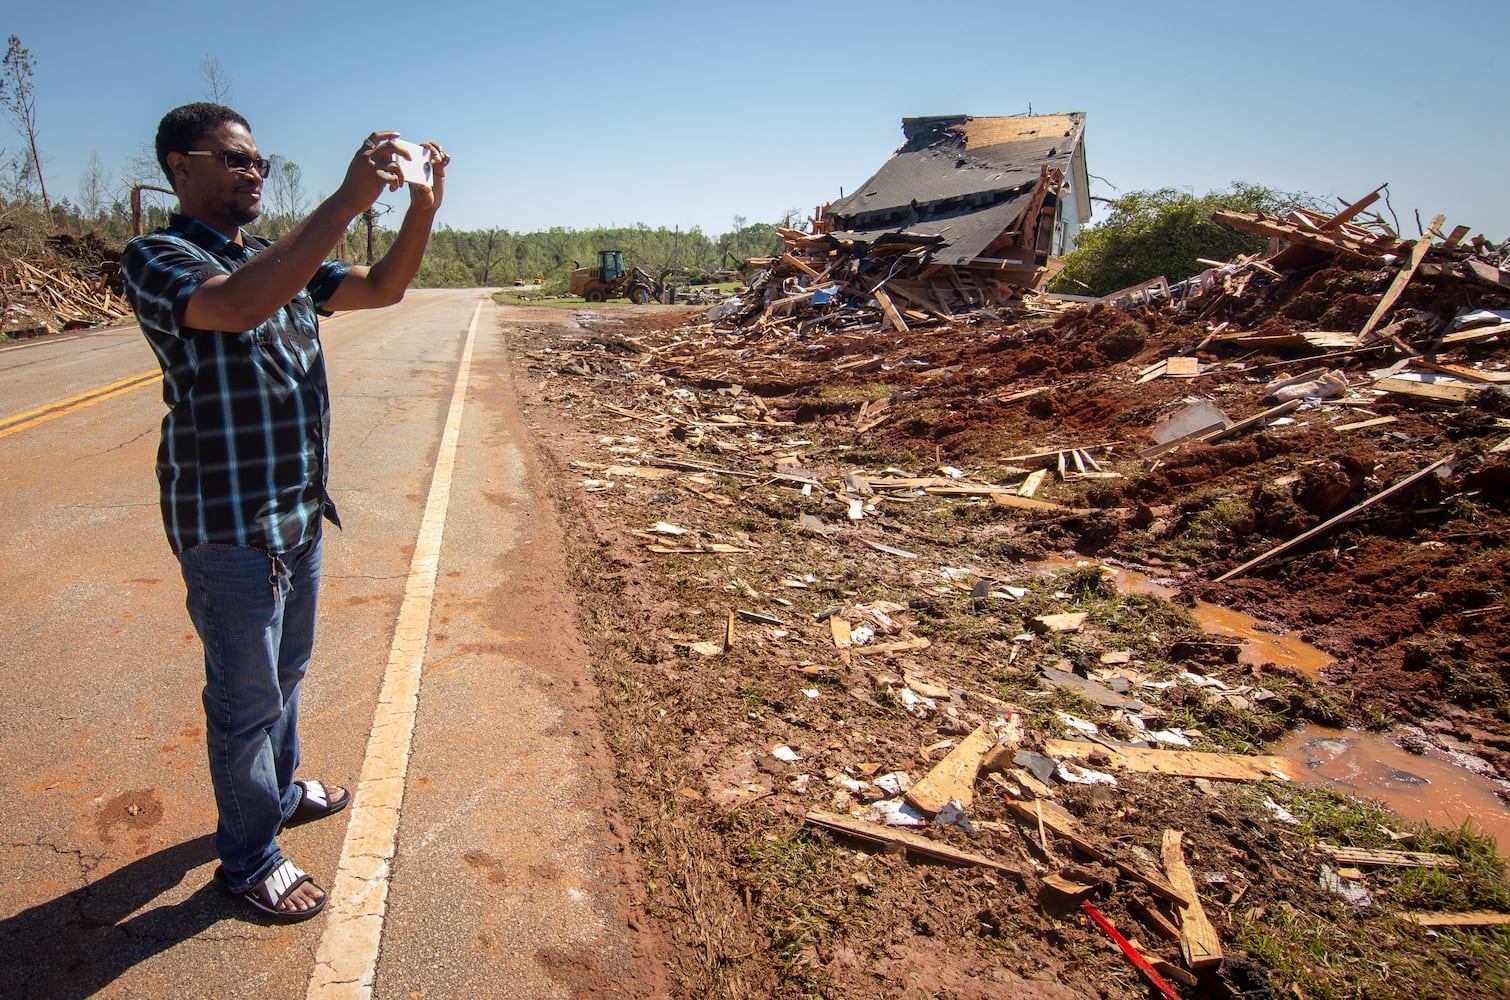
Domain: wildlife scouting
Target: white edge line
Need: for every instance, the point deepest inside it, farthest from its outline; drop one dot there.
(346, 959)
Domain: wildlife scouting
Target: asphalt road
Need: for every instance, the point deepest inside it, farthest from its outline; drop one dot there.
(480, 860)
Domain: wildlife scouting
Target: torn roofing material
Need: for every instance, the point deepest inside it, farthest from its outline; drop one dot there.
(967, 181)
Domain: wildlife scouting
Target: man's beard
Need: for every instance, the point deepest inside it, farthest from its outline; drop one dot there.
(244, 216)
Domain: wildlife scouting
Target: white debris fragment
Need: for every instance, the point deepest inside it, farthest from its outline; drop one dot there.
(915, 704)
(1280, 813)
(894, 783)
(1078, 724)
(953, 814)
(1077, 775)
(785, 753)
(896, 812)
(1172, 737)
(1355, 894)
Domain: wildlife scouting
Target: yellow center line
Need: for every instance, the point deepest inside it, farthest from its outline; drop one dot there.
(63, 407)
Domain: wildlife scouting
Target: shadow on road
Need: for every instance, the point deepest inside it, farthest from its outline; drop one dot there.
(76, 945)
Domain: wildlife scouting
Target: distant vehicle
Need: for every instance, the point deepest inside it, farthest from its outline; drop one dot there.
(610, 280)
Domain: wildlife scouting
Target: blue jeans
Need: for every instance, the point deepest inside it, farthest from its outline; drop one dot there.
(255, 614)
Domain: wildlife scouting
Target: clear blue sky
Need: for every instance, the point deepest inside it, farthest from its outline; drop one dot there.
(689, 114)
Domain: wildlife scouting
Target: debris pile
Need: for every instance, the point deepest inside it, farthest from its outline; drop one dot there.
(862, 553)
(38, 298)
(826, 283)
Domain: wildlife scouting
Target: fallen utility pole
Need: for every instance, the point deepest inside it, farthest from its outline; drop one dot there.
(1326, 526)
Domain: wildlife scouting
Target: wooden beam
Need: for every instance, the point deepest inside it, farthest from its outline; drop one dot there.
(1347, 214)
(1360, 424)
(1417, 254)
(1199, 943)
(788, 258)
(953, 778)
(1326, 526)
(886, 835)
(1446, 392)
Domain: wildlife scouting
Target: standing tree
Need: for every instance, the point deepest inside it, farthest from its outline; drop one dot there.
(20, 101)
(92, 188)
(285, 185)
(217, 85)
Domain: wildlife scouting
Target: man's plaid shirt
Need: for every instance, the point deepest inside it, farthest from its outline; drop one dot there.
(243, 453)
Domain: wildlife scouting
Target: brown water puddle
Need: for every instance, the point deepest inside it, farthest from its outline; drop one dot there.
(1433, 787)
(1427, 788)
(1261, 643)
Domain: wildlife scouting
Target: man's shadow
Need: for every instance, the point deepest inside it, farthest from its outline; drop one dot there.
(75, 945)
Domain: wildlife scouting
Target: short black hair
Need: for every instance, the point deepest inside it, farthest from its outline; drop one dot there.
(182, 127)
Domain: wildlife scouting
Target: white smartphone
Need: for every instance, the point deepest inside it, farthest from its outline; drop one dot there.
(416, 169)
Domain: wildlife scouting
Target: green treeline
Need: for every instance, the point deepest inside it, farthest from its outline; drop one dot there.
(455, 258)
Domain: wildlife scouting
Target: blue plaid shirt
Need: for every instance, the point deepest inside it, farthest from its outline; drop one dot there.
(243, 453)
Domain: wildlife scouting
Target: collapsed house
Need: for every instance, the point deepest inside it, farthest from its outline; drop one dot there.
(968, 212)
(997, 197)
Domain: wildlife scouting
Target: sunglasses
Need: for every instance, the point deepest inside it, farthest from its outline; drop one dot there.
(239, 162)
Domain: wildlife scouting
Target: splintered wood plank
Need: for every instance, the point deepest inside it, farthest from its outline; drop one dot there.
(1417, 254)
(1466, 374)
(1471, 918)
(1028, 503)
(1445, 391)
(892, 648)
(1031, 484)
(1182, 366)
(1182, 763)
(1397, 859)
(890, 309)
(1360, 424)
(787, 258)
(1199, 943)
(908, 841)
(953, 778)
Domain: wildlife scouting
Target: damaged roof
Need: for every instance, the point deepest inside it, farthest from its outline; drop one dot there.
(963, 179)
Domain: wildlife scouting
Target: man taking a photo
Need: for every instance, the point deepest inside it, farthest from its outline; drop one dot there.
(242, 465)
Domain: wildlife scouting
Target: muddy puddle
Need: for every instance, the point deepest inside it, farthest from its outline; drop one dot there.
(1430, 787)
(1439, 786)
(1262, 642)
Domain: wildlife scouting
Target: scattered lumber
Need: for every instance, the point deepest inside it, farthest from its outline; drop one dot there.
(893, 837)
(38, 298)
(1094, 849)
